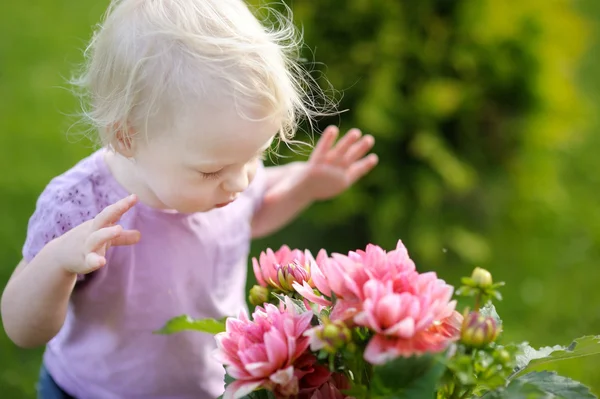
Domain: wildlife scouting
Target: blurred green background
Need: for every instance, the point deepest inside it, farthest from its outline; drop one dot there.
(485, 116)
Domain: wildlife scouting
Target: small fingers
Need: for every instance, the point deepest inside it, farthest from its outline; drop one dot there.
(336, 155)
(112, 213)
(94, 261)
(102, 237)
(127, 237)
(358, 150)
(324, 144)
(362, 167)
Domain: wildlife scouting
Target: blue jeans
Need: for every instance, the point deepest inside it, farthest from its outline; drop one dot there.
(47, 388)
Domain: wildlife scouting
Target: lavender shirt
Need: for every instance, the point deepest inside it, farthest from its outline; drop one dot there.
(193, 264)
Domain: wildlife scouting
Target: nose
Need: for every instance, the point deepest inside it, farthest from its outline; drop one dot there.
(236, 182)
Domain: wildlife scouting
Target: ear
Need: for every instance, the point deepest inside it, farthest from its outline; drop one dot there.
(124, 142)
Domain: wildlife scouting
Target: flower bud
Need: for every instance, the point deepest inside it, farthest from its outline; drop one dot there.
(478, 331)
(259, 295)
(482, 278)
(502, 356)
(290, 273)
(334, 336)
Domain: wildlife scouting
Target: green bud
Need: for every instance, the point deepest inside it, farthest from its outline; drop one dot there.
(335, 335)
(259, 295)
(502, 356)
(482, 278)
(478, 331)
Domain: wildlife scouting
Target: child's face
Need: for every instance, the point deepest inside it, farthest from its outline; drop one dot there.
(206, 163)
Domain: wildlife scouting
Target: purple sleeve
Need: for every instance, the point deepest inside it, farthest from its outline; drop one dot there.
(60, 207)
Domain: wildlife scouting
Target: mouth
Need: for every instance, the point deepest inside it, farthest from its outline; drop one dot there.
(223, 204)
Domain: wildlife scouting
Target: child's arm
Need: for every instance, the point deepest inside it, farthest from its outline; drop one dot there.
(330, 170)
(34, 302)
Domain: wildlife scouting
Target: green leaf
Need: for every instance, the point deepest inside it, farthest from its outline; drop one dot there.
(186, 323)
(558, 385)
(542, 385)
(489, 310)
(407, 378)
(581, 347)
(357, 391)
(228, 379)
(260, 394)
(298, 304)
(519, 390)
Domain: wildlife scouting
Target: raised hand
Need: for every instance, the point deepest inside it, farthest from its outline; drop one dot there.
(333, 167)
(83, 249)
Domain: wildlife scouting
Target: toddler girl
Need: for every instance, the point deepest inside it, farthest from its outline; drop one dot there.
(186, 96)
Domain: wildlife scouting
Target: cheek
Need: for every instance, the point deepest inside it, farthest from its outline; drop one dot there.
(252, 171)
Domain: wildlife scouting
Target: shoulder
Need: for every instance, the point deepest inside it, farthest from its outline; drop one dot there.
(67, 201)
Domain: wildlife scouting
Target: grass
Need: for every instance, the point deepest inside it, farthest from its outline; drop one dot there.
(41, 44)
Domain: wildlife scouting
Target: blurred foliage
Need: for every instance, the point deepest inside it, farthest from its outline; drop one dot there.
(484, 129)
(481, 112)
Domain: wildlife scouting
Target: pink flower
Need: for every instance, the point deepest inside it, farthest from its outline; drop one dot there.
(261, 353)
(280, 269)
(450, 327)
(345, 276)
(318, 280)
(416, 319)
(410, 313)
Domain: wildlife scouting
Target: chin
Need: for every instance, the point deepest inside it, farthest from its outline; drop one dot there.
(200, 209)
(191, 209)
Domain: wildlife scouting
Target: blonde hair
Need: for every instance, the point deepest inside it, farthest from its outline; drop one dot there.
(150, 58)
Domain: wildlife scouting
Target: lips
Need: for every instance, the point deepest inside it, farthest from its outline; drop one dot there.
(223, 204)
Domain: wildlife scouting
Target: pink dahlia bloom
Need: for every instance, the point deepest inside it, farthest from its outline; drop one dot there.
(345, 276)
(261, 353)
(417, 319)
(410, 313)
(280, 269)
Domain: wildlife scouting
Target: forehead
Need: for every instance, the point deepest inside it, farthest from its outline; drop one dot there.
(221, 135)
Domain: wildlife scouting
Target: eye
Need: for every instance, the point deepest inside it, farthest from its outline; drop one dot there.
(211, 176)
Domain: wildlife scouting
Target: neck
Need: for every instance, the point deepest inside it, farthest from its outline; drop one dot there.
(127, 175)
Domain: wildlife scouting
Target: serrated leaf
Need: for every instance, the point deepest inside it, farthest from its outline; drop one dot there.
(186, 323)
(563, 387)
(407, 378)
(581, 347)
(489, 310)
(529, 354)
(519, 390)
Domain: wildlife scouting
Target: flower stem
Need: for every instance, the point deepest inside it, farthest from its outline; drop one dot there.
(477, 301)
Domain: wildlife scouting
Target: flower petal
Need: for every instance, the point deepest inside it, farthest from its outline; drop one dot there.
(258, 273)
(307, 292)
(238, 389)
